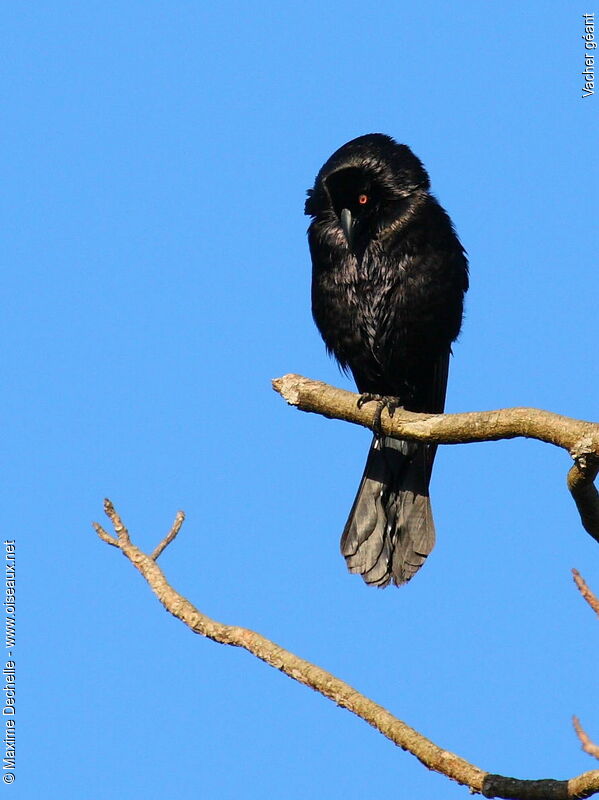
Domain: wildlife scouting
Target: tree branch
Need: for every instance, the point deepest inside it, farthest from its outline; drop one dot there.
(587, 745)
(175, 528)
(584, 590)
(579, 438)
(426, 751)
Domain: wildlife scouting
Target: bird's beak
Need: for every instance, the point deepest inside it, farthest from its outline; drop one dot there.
(347, 225)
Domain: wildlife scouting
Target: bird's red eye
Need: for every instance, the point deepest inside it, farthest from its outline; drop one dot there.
(363, 199)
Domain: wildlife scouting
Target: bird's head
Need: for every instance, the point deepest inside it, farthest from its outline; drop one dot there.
(367, 188)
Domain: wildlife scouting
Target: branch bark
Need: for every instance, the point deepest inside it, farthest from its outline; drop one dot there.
(579, 438)
(398, 732)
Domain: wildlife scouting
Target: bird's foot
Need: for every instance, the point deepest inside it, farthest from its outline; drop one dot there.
(383, 402)
(369, 397)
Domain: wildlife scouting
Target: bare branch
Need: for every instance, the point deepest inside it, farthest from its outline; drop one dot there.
(581, 485)
(120, 530)
(398, 732)
(588, 595)
(106, 537)
(579, 438)
(587, 745)
(176, 527)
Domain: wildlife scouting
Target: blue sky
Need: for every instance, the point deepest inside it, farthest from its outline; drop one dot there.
(156, 277)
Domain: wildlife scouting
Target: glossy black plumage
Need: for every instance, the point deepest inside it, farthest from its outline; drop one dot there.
(388, 281)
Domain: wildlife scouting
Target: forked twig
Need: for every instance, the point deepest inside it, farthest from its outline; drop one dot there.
(398, 732)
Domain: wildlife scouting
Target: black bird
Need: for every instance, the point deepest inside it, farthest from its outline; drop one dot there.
(388, 281)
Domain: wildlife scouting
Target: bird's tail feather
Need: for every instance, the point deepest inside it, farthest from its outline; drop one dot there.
(390, 529)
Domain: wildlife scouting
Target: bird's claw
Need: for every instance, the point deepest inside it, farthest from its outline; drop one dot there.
(383, 402)
(369, 397)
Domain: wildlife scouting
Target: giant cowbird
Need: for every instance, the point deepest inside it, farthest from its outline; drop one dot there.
(388, 281)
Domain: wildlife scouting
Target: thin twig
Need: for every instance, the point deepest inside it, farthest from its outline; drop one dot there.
(119, 528)
(398, 732)
(587, 745)
(176, 527)
(104, 535)
(584, 590)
